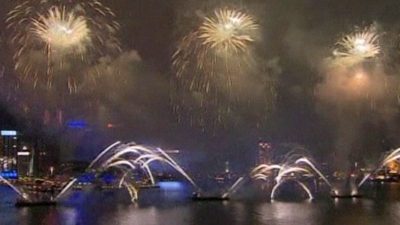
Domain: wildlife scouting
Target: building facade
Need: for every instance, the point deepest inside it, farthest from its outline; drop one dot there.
(9, 146)
(265, 153)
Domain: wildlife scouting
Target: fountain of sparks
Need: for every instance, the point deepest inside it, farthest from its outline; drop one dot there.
(346, 189)
(261, 172)
(294, 168)
(288, 173)
(387, 159)
(351, 181)
(129, 158)
(14, 188)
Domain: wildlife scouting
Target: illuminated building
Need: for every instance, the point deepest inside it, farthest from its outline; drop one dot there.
(45, 156)
(51, 118)
(25, 161)
(264, 153)
(227, 168)
(19, 158)
(8, 154)
(393, 167)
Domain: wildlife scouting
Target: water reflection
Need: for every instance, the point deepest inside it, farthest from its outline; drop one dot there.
(300, 213)
(98, 208)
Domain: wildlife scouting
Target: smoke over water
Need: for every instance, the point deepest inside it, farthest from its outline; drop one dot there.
(353, 99)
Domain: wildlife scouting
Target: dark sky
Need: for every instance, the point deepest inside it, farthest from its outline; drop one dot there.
(297, 32)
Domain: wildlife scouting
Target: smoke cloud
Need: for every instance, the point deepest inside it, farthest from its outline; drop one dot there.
(357, 100)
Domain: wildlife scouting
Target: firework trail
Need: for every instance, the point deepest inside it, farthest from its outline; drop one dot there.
(56, 41)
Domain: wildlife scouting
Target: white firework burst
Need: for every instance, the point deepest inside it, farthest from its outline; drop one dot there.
(62, 30)
(57, 41)
(227, 30)
(363, 44)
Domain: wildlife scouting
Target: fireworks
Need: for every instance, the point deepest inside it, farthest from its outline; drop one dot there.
(215, 45)
(228, 31)
(354, 73)
(359, 45)
(56, 41)
(212, 61)
(62, 31)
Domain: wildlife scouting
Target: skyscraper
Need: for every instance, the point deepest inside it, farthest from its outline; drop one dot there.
(8, 154)
(25, 160)
(264, 153)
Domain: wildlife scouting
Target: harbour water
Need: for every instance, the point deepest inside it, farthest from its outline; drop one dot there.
(380, 206)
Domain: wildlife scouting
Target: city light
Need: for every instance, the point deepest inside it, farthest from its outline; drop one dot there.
(8, 133)
(23, 153)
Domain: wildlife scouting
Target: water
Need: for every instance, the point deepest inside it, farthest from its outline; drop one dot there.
(170, 207)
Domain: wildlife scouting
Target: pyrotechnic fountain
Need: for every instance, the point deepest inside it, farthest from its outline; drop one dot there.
(128, 158)
(131, 157)
(18, 191)
(346, 189)
(296, 167)
(291, 173)
(293, 168)
(303, 166)
(351, 181)
(390, 157)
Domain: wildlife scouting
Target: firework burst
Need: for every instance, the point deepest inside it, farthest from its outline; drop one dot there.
(56, 41)
(359, 45)
(62, 31)
(211, 63)
(228, 31)
(221, 44)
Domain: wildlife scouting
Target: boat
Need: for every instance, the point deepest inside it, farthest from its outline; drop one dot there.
(149, 186)
(345, 195)
(199, 197)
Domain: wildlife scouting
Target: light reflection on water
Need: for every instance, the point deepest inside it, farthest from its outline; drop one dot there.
(300, 213)
(151, 216)
(172, 208)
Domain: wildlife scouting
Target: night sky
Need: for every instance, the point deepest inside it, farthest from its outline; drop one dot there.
(297, 34)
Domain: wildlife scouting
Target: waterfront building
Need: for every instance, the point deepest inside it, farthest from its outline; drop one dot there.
(265, 153)
(9, 145)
